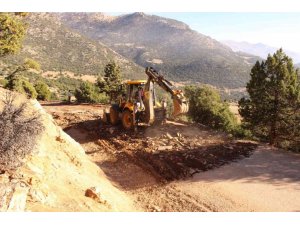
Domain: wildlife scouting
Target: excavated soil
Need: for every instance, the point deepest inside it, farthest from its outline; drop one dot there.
(146, 163)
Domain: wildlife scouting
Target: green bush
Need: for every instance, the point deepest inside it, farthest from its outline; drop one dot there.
(54, 96)
(42, 90)
(89, 93)
(31, 64)
(3, 82)
(21, 85)
(206, 107)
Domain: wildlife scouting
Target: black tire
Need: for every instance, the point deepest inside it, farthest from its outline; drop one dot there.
(113, 116)
(127, 120)
(105, 118)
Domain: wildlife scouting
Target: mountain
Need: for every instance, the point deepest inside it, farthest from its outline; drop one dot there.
(170, 46)
(58, 48)
(258, 49)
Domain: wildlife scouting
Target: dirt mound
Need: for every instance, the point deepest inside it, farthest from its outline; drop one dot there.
(56, 177)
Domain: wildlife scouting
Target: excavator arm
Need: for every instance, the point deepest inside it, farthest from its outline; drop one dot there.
(180, 102)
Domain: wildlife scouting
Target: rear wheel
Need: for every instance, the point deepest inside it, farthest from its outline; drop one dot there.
(127, 120)
(113, 116)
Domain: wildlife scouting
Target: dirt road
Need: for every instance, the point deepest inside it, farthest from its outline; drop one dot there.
(267, 181)
(184, 167)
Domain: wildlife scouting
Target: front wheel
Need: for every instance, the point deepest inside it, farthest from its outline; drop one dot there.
(127, 120)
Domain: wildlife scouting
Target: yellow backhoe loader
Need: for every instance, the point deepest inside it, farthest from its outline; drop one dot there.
(139, 104)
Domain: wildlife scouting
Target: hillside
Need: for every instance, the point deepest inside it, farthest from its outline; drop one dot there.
(181, 53)
(58, 48)
(259, 49)
(56, 175)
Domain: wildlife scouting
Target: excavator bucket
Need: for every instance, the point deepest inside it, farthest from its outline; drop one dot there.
(179, 107)
(180, 103)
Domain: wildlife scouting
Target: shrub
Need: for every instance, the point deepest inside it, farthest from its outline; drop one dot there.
(89, 93)
(54, 96)
(206, 107)
(3, 82)
(31, 64)
(43, 92)
(21, 85)
(19, 130)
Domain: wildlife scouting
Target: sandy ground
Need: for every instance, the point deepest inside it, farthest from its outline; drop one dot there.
(267, 181)
(227, 176)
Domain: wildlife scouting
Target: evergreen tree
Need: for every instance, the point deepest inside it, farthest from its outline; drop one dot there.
(43, 92)
(272, 110)
(22, 85)
(89, 93)
(111, 80)
(12, 32)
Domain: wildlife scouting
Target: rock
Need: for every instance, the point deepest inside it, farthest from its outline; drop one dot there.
(229, 147)
(162, 148)
(5, 193)
(4, 178)
(155, 208)
(179, 142)
(18, 200)
(111, 130)
(60, 139)
(94, 193)
(169, 136)
(37, 195)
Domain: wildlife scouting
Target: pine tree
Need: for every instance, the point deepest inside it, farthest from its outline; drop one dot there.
(12, 32)
(111, 80)
(272, 110)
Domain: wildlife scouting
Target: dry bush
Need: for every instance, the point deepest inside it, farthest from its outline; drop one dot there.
(19, 131)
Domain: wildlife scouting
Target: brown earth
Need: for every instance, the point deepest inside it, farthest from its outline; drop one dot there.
(162, 168)
(172, 167)
(57, 176)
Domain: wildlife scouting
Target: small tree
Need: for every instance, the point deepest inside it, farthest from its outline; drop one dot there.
(12, 32)
(43, 92)
(272, 110)
(206, 107)
(111, 80)
(31, 64)
(89, 93)
(28, 64)
(21, 85)
(19, 132)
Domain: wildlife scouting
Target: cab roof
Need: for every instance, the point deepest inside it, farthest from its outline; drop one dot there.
(135, 82)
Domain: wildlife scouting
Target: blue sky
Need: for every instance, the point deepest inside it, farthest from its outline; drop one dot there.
(274, 29)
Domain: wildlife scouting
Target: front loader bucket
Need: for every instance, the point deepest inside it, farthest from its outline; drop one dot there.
(180, 107)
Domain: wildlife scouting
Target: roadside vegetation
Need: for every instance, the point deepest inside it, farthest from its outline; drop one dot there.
(207, 107)
(272, 110)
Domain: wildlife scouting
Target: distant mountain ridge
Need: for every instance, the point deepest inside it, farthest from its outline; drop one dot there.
(59, 48)
(168, 45)
(259, 49)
